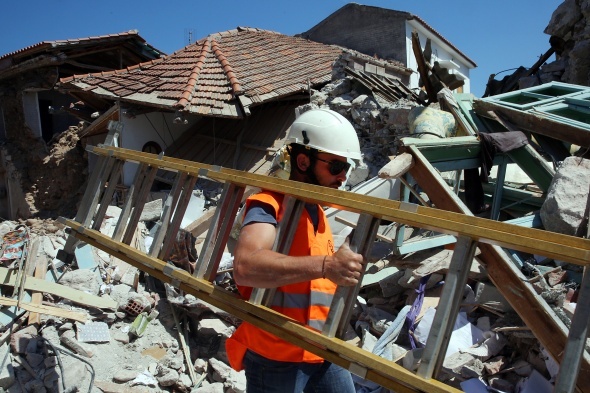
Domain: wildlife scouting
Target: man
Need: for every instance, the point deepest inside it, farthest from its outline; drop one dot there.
(320, 143)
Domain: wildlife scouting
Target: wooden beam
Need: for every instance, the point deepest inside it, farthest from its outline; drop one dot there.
(8, 278)
(536, 123)
(42, 309)
(40, 273)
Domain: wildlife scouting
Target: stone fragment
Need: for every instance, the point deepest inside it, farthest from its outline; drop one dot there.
(167, 376)
(555, 278)
(562, 211)
(216, 387)
(20, 339)
(494, 365)
(35, 359)
(7, 376)
(124, 375)
(68, 340)
(522, 368)
(152, 211)
(184, 383)
(501, 384)
(85, 280)
(50, 361)
(455, 362)
(473, 370)
(74, 376)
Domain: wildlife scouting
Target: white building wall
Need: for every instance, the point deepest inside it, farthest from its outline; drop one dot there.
(441, 52)
(155, 126)
(31, 112)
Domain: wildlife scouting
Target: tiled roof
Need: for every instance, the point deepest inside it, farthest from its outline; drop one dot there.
(209, 76)
(77, 42)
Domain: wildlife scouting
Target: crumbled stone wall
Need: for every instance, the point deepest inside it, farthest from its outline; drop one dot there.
(569, 30)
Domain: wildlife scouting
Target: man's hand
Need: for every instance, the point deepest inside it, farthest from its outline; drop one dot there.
(345, 266)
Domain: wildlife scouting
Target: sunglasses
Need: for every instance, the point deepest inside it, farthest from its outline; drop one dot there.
(336, 167)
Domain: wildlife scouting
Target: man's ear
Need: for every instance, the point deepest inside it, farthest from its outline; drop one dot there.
(302, 162)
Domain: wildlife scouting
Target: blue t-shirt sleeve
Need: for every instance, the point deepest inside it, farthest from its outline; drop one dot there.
(260, 212)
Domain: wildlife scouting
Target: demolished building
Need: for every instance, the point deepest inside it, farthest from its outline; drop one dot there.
(382, 292)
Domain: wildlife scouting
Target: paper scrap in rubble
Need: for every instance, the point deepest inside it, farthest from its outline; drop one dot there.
(464, 335)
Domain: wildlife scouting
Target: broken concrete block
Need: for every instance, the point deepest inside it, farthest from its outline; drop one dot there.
(491, 346)
(522, 368)
(487, 294)
(216, 387)
(410, 281)
(411, 360)
(455, 362)
(74, 375)
(473, 370)
(152, 211)
(7, 377)
(68, 340)
(184, 383)
(88, 281)
(166, 376)
(230, 378)
(494, 365)
(562, 211)
(34, 359)
(124, 375)
(20, 339)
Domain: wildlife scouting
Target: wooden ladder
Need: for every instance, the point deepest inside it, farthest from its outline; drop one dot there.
(468, 229)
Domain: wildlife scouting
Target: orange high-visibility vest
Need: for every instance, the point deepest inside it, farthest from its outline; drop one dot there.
(307, 302)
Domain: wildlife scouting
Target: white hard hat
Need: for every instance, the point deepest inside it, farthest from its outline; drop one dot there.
(326, 131)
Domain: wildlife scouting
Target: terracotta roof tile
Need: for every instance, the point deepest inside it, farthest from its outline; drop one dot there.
(206, 77)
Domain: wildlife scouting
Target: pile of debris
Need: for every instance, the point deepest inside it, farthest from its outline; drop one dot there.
(124, 331)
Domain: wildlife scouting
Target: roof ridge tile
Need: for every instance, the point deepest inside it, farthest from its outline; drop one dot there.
(227, 68)
(185, 99)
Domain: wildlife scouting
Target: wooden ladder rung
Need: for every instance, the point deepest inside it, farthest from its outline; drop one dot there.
(219, 231)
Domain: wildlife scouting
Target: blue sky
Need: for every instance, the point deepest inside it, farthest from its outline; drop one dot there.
(497, 35)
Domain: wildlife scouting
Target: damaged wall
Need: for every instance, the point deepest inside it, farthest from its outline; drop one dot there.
(569, 30)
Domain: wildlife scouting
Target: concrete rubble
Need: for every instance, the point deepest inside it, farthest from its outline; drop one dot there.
(115, 352)
(107, 326)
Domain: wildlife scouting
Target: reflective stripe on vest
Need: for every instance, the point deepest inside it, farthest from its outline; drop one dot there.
(301, 300)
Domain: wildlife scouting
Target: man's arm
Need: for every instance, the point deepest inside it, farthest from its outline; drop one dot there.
(256, 265)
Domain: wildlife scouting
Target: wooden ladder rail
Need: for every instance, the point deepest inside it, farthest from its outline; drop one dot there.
(87, 207)
(219, 230)
(345, 297)
(89, 200)
(129, 202)
(283, 240)
(448, 308)
(360, 362)
(563, 247)
(578, 332)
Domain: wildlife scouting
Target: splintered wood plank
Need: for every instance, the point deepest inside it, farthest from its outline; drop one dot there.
(42, 309)
(40, 273)
(80, 297)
